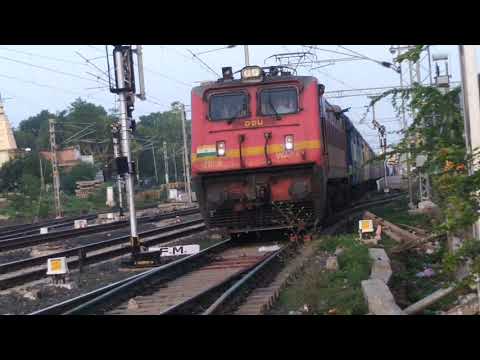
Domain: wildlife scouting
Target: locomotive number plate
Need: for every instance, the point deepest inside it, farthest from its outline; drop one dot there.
(253, 123)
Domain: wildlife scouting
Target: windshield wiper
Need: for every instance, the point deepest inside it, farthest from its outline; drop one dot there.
(273, 108)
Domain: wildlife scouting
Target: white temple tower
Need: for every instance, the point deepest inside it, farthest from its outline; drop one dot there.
(8, 146)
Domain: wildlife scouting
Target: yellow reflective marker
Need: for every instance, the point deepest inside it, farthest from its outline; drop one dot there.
(366, 226)
(57, 266)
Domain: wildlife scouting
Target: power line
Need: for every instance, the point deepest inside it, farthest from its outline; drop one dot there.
(357, 53)
(39, 84)
(327, 50)
(204, 63)
(167, 77)
(46, 68)
(95, 48)
(89, 62)
(217, 49)
(42, 56)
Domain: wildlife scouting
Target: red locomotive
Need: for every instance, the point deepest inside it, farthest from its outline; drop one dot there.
(268, 149)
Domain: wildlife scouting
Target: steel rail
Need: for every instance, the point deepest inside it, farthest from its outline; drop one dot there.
(233, 293)
(25, 241)
(25, 228)
(238, 286)
(10, 230)
(86, 302)
(124, 289)
(172, 232)
(219, 291)
(161, 274)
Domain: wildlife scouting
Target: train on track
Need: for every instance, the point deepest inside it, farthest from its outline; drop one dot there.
(270, 152)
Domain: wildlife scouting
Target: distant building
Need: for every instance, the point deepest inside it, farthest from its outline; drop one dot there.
(68, 157)
(8, 145)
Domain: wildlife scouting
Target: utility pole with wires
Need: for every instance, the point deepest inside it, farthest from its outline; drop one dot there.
(415, 76)
(124, 86)
(165, 159)
(116, 154)
(155, 164)
(174, 162)
(398, 50)
(55, 173)
(42, 178)
(247, 55)
(382, 135)
(185, 155)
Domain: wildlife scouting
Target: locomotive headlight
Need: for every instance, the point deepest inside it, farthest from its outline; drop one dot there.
(220, 148)
(289, 142)
(251, 72)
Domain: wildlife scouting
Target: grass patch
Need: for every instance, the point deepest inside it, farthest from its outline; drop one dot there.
(321, 290)
(397, 213)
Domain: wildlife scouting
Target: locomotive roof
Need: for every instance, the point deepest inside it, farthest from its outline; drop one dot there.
(237, 83)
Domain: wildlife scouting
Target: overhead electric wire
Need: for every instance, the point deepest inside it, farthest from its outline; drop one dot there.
(217, 49)
(166, 76)
(313, 47)
(95, 48)
(39, 84)
(89, 62)
(204, 63)
(358, 54)
(46, 68)
(42, 56)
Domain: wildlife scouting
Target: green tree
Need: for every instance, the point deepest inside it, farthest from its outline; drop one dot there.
(81, 172)
(159, 127)
(15, 174)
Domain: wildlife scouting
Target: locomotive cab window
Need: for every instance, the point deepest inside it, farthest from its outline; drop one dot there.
(280, 101)
(228, 106)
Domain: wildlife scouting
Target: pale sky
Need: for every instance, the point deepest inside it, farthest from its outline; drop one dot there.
(171, 72)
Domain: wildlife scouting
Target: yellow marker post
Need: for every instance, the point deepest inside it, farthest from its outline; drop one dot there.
(364, 226)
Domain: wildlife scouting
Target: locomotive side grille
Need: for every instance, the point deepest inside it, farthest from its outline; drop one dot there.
(278, 214)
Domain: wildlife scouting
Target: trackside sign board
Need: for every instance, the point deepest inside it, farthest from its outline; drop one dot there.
(176, 250)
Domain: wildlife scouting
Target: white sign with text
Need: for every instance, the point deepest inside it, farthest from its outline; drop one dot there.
(176, 250)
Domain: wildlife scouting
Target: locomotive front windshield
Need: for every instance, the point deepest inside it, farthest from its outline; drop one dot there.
(228, 106)
(279, 101)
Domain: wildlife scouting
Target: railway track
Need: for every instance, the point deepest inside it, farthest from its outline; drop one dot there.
(30, 229)
(92, 253)
(25, 229)
(30, 240)
(189, 283)
(214, 281)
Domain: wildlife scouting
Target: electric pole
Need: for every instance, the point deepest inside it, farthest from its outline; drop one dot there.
(165, 158)
(55, 173)
(398, 50)
(247, 55)
(42, 179)
(124, 86)
(155, 164)
(382, 136)
(174, 163)
(185, 155)
(116, 154)
(471, 106)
